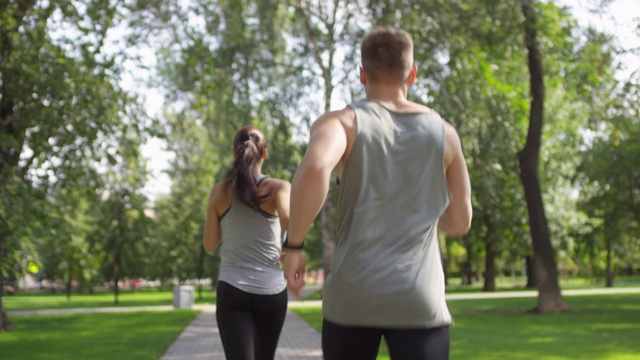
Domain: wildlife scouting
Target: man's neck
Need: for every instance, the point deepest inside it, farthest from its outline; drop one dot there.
(386, 93)
(393, 98)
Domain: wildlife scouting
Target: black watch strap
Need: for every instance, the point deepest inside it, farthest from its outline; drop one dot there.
(290, 247)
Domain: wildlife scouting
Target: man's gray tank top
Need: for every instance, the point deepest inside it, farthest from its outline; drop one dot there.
(387, 270)
(250, 250)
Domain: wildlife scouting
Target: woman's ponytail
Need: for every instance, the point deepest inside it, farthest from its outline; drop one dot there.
(249, 145)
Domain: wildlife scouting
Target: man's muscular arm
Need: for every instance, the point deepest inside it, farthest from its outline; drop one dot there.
(310, 185)
(456, 219)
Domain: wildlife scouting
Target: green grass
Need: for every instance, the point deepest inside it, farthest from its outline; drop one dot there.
(506, 284)
(131, 336)
(102, 299)
(599, 327)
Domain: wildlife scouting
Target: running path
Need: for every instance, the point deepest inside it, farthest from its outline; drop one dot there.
(201, 340)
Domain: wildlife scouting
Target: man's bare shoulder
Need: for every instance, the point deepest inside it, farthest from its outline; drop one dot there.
(345, 116)
(452, 143)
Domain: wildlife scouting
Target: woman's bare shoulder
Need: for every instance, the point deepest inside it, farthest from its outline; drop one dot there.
(277, 184)
(222, 188)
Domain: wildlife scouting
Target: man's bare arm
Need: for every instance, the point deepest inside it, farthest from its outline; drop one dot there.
(310, 185)
(456, 219)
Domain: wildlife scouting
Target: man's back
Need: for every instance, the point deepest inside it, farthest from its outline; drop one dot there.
(387, 268)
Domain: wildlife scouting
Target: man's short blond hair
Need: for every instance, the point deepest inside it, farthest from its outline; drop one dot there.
(387, 54)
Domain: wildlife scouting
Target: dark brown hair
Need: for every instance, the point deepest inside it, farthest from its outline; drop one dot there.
(387, 54)
(249, 145)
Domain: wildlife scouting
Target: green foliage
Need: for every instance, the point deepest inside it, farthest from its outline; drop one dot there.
(609, 175)
(176, 247)
(59, 105)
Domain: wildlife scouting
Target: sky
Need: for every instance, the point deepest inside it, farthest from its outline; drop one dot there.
(622, 19)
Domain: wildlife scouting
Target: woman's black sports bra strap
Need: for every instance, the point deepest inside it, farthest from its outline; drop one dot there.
(259, 178)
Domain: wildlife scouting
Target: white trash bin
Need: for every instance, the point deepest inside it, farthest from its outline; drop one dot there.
(183, 296)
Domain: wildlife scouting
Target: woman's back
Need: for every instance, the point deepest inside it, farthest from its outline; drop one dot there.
(250, 249)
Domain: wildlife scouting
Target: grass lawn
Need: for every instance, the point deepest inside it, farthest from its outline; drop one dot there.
(506, 283)
(101, 299)
(599, 327)
(131, 336)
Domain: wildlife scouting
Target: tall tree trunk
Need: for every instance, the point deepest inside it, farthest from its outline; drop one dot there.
(490, 255)
(549, 296)
(116, 277)
(609, 264)
(69, 274)
(201, 257)
(328, 241)
(447, 262)
(4, 320)
(444, 268)
(489, 269)
(609, 243)
(467, 271)
(532, 280)
(215, 272)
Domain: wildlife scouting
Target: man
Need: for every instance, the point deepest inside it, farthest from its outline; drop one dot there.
(402, 177)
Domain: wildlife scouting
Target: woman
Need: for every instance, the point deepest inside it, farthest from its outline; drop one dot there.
(245, 215)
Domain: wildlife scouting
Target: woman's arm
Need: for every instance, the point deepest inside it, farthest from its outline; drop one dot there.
(212, 233)
(283, 193)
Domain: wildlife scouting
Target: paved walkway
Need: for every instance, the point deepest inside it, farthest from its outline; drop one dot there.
(201, 340)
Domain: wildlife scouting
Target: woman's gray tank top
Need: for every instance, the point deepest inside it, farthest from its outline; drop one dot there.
(250, 250)
(386, 269)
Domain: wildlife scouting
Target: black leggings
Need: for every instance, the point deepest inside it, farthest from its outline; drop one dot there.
(362, 343)
(249, 324)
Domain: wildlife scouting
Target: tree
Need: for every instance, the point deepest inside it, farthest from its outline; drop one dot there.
(549, 296)
(226, 64)
(125, 221)
(57, 98)
(328, 28)
(64, 241)
(610, 195)
(176, 247)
